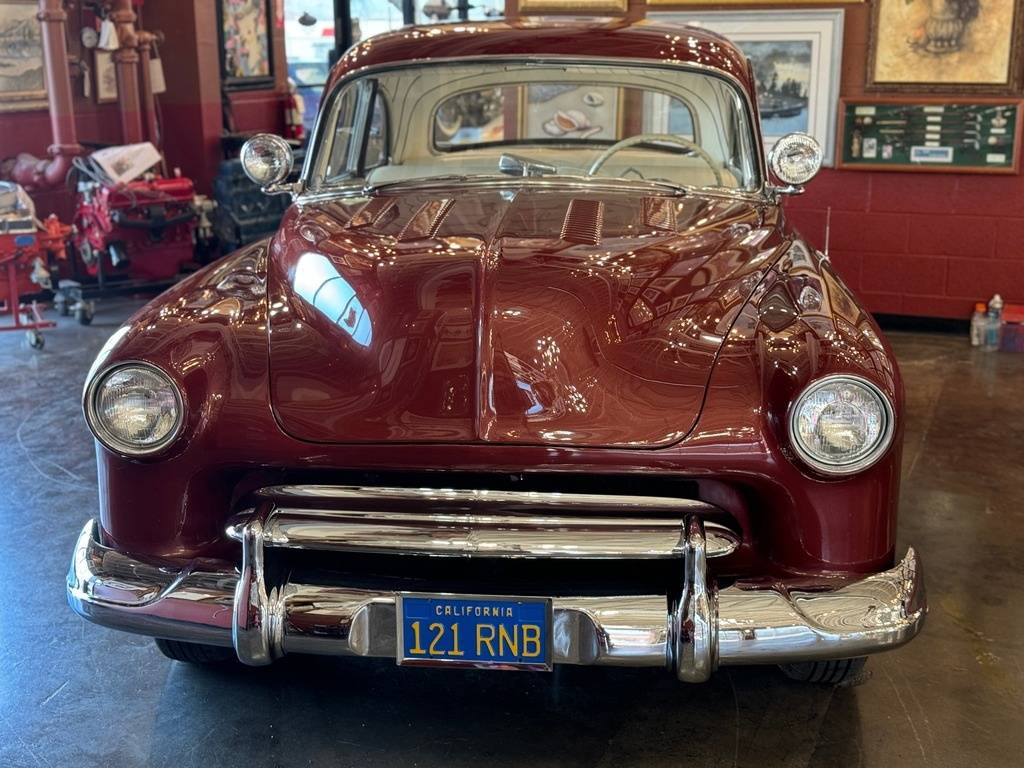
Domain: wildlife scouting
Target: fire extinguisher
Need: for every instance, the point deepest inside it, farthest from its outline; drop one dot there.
(294, 107)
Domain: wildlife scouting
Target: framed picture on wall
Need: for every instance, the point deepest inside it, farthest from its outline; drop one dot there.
(797, 60)
(949, 46)
(582, 7)
(22, 71)
(246, 48)
(557, 110)
(106, 77)
(931, 134)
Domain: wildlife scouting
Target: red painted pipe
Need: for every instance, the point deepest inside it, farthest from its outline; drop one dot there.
(126, 59)
(146, 40)
(28, 170)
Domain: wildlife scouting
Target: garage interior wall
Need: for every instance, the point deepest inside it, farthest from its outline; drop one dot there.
(29, 131)
(190, 112)
(918, 244)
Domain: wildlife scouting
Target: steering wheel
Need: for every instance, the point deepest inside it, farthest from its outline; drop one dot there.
(667, 138)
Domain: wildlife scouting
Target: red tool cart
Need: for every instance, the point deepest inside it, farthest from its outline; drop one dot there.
(26, 250)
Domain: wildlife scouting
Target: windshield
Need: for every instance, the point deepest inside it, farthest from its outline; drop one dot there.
(482, 119)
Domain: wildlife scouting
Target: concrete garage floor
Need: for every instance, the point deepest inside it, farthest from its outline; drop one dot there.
(76, 695)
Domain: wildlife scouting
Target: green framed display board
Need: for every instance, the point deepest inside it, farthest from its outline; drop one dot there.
(965, 137)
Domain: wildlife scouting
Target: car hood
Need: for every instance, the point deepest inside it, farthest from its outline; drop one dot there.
(559, 315)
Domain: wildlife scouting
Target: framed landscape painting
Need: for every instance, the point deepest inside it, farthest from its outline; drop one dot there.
(22, 71)
(949, 46)
(796, 57)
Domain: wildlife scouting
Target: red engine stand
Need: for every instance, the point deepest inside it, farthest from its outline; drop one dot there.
(18, 255)
(142, 230)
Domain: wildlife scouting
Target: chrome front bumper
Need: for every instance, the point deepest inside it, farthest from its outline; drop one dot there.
(214, 602)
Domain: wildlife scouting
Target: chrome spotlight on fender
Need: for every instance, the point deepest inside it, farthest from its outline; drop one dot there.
(268, 160)
(794, 160)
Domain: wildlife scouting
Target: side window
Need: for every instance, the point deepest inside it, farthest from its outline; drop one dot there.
(667, 114)
(342, 142)
(680, 119)
(474, 117)
(377, 138)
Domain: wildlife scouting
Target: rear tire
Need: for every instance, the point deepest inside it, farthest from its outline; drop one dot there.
(834, 672)
(194, 653)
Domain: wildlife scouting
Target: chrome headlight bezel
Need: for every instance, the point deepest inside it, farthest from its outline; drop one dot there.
(112, 442)
(861, 463)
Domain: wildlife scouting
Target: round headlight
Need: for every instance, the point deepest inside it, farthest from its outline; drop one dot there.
(841, 424)
(134, 409)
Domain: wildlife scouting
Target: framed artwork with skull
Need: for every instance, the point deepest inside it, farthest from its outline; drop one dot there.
(947, 46)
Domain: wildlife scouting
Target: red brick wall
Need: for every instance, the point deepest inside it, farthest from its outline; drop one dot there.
(919, 244)
(924, 244)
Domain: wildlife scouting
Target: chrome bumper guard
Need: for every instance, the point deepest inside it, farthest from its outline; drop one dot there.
(214, 602)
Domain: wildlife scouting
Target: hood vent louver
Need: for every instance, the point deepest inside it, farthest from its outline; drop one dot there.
(375, 211)
(660, 213)
(427, 220)
(583, 222)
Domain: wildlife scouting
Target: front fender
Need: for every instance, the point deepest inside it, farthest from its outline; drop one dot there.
(778, 345)
(208, 333)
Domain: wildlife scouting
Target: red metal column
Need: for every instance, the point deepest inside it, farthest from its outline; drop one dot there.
(126, 58)
(30, 171)
(146, 40)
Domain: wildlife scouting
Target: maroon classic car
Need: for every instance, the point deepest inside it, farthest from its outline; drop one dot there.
(534, 372)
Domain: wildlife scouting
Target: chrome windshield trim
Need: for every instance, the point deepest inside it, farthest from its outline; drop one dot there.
(759, 166)
(553, 181)
(598, 185)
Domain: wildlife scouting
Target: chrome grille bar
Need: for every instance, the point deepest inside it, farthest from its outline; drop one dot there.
(459, 499)
(470, 523)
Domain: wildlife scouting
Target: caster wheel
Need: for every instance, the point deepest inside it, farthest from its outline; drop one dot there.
(83, 314)
(35, 339)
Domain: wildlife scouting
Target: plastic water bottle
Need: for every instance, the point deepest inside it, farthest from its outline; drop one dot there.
(979, 324)
(994, 322)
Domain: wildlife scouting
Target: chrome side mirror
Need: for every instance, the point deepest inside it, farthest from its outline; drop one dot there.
(267, 160)
(795, 160)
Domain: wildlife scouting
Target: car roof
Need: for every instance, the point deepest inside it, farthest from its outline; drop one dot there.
(654, 41)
